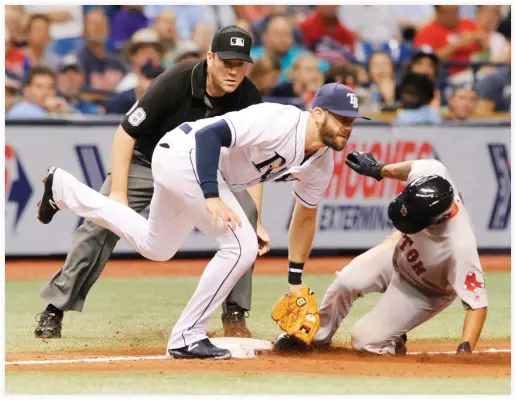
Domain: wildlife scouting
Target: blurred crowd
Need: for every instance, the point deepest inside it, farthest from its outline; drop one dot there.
(425, 63)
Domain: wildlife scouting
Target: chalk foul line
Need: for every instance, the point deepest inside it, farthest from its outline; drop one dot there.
(109, 359)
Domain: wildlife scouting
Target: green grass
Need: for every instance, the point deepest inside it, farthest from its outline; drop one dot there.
(139, 314)
(180, 383)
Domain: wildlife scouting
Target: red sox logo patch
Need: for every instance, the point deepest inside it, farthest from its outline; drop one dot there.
(471, 283)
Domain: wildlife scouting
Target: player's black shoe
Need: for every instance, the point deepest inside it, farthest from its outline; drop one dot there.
(201, 349)
(49, 324)
(47, 206)
(233, 322)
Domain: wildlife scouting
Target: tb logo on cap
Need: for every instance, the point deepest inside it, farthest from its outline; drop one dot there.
(353, 99)
(236, 41)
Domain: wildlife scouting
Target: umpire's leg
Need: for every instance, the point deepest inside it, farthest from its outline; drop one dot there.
(93, 245)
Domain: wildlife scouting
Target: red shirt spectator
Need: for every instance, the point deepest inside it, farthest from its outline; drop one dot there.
(324, 22)
(451, 38)
(14, 60)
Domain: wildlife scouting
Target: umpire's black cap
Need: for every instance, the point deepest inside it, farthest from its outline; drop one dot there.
(232, 43)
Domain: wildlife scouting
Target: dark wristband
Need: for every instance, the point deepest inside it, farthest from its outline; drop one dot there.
(377, 172)
(295, 272)
(464, 348)
(211, 195)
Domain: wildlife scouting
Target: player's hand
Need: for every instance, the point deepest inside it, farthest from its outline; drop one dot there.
(264, 241)
(295, 288)
(218, 209)
(364, 164)
(119, 197)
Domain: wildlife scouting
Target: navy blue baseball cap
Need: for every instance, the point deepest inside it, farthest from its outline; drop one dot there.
(338, 99)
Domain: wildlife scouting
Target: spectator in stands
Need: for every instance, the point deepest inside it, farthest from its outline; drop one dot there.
(462, 103)
(187, 50)
(38, 39)
(14, 58)
(202, 34)
(382, 85)
(186, 17)
(487, 18)
(417, 92)
(39, 96)
(452, 38)
(278, 42)
(494, 92)
(14, 23)
(66, 25)
(306, 79)
(129, 20)
(324, 22)
(264, 73)
(11, 91)
(165, 25)
(343, 73)
(372, 24)
(426, 63)
(143, 46)
(122, 102)
(70, 80)
(103, 70)
(253, 14)
(218, 16)
(246, 26)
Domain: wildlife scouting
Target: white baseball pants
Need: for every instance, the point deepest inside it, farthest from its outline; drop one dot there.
(177, 207)
(401, 308)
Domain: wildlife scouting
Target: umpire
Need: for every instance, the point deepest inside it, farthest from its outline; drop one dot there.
(186, 92)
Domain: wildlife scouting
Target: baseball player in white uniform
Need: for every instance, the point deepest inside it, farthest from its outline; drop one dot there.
(421, 270)
(195, 167)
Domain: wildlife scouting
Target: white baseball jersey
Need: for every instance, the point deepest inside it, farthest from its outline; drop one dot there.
(268, 143)
(443, 259)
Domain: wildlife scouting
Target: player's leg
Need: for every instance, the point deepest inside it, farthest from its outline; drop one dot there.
(370, 272)
(239, 300)
(237, 252)
(93, 245)
(157, 238)
(401, 308)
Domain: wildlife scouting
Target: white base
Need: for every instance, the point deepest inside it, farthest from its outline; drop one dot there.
(242, 347)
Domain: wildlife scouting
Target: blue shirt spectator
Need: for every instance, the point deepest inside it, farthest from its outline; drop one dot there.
(494, 91)
(102, 70)
(129, 20)
(422, 116)
(26, 109)
(121, 103)
(278, 42)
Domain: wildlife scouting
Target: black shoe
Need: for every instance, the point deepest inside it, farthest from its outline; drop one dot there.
(233, 322)
(49, 325)
(47, 206)
(290, 344)
(201, 349)
(401, 348)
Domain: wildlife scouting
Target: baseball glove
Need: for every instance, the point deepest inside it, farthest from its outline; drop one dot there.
(298, 315)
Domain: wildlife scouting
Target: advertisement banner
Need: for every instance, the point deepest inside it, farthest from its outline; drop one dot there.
(352, 215)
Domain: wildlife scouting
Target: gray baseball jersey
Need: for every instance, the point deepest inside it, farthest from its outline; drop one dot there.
(443, 259)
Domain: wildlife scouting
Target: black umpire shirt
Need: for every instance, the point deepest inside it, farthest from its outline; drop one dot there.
(179, 95)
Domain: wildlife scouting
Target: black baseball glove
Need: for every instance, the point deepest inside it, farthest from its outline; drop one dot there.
(365, 164)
